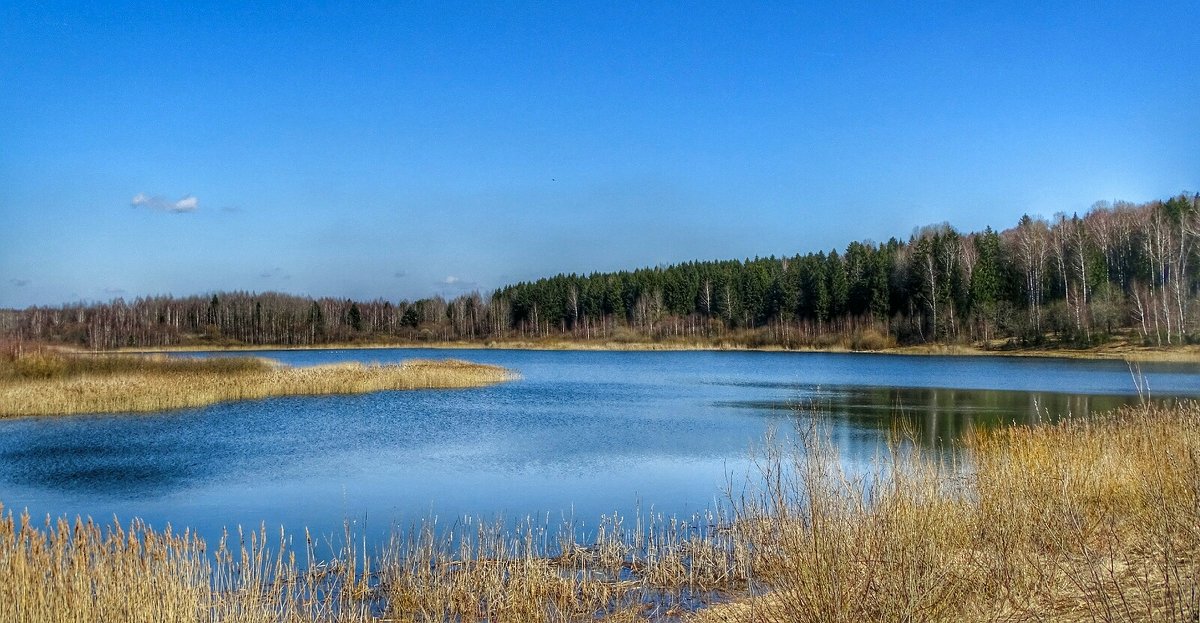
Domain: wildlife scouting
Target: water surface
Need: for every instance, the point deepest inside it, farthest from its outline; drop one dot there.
(581, 434)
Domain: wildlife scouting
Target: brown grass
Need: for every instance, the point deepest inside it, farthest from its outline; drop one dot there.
(1094, 519)
(46, 382)
(473, 572)
(81, 571)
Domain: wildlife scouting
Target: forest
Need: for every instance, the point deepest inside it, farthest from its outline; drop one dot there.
(1121, 268)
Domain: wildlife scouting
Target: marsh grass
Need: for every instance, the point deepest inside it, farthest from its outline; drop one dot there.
(1091, 519)
(48, 382)
(82, 571)
(473, 571)
(32, 363)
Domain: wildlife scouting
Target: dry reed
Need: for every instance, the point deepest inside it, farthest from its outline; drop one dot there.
(1092, 519)
(43, 382)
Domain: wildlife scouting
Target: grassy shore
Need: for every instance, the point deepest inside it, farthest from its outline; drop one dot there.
(47, 382)
(1121, 350)
(1092, 519)
(1125, 346)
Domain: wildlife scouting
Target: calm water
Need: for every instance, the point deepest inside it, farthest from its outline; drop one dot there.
(583, 433)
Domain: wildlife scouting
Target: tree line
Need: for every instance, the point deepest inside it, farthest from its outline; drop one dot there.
(1068, 279)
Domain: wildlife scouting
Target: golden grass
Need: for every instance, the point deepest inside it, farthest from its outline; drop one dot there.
(1092, 519)
(83, 572)
(49, 383)
(473, 572)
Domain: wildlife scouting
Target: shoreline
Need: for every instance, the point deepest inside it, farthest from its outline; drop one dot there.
(1113, 352)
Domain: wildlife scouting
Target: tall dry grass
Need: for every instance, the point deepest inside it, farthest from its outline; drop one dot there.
(1091, 519)
(83, 572)
(47, 382)
(474, 571)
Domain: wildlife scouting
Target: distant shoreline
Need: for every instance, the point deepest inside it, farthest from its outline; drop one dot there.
(1116, 351)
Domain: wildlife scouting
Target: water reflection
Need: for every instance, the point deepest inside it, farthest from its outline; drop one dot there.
(935, 417)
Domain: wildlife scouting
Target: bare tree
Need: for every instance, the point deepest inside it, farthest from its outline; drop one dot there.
(1030, 240)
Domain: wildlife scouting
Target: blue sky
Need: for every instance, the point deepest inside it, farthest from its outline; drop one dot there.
(399, 150)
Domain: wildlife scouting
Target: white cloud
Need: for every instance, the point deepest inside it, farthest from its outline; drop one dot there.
(187, 204)
(457, 284)
(157, 202)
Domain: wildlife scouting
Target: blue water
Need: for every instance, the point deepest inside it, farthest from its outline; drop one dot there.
(581, 434)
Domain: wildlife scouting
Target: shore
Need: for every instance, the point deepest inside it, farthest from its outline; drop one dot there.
(51, 383)
(1117, 350)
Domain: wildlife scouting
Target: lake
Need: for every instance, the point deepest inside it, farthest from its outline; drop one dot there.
(581, 434)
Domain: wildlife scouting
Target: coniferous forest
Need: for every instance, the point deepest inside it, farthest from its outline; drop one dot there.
(1069, 280)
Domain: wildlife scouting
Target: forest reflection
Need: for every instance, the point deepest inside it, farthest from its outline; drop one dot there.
(934, 417)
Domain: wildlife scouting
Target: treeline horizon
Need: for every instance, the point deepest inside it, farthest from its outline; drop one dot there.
(1070, 279)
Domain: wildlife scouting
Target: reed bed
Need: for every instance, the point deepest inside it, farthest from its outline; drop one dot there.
(1091, 519)
(83, 572)
(472, 572)
(45, 382)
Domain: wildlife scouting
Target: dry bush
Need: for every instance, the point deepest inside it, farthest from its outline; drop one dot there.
(871, 339)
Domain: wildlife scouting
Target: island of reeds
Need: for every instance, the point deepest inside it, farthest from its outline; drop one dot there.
(1090, 519)
(45, 381)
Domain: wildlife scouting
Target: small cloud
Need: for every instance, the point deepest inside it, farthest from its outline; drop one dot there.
(455, 283)
(400, 274)
(20, 283)
(161, 204)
